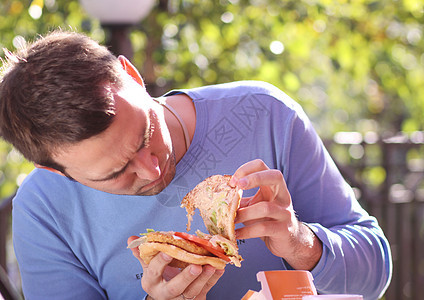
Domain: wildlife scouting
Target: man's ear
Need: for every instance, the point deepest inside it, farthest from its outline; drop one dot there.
(49, 169)
(130, 69)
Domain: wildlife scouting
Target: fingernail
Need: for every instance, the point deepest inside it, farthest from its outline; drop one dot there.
(243, 182)
(208, 270)
(195, 270)
(219, 272)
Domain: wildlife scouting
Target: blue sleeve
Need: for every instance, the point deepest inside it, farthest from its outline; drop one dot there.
(356, 255)
(48, 267)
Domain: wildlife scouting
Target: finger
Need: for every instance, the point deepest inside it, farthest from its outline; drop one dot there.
(135, 250)
(152, 273)
(244, 202)
(262, 178)
(247, 168)
(180, 283)
(265, 209)
(170, 272)
(272, 187)
(132, 238)
(268, 228)
(203, 283)
(263, 194)
(211, 282)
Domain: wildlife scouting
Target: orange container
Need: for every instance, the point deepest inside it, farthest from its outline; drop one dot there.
(283, 284)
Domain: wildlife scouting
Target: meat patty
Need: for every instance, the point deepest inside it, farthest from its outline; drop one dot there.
(169, 238)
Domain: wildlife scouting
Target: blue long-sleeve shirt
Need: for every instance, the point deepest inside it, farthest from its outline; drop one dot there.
(70, 240)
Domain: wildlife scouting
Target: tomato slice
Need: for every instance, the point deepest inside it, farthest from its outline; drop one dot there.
(204, 244)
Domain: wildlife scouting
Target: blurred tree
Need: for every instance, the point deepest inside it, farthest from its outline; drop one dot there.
(353, 65)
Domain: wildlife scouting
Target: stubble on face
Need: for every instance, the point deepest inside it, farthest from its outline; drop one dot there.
(168, 176)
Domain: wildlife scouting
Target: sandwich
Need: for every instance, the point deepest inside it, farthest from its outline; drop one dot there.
(217, 203)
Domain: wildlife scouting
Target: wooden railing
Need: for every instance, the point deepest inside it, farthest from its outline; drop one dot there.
(396, 198)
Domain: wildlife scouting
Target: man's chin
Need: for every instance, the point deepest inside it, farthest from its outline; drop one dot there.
(151, 192)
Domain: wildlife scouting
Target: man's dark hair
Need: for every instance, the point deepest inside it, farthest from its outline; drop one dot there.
(56, 92)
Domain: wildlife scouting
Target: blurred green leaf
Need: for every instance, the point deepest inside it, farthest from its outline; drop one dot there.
(374, 176)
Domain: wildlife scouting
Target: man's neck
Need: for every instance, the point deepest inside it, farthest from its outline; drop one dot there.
(179, 114)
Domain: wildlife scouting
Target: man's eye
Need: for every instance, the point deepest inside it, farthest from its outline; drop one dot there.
(116, 176)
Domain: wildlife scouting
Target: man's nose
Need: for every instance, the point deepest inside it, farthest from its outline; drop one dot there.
(146, 165)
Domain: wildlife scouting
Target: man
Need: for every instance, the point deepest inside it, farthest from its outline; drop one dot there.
(112, 161)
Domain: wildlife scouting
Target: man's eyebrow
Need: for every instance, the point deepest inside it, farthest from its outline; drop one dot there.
(145, 141)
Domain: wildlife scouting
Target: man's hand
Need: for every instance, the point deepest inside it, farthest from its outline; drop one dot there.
(269, 215)
(161, 281)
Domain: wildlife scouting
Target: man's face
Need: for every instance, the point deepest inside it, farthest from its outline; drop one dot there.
(134, 156)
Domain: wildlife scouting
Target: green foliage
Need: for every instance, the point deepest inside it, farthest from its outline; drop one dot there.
(353, 65)
(374, 176)
(13, 169)
(343, 60)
